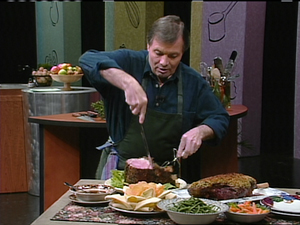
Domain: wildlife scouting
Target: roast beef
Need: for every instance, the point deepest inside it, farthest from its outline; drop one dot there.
(223, 186)
(140, 169)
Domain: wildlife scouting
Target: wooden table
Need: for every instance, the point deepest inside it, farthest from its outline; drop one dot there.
(67, 150)
(64, 139)
(44, 219)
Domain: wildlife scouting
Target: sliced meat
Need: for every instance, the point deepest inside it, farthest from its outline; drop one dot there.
(140, 169)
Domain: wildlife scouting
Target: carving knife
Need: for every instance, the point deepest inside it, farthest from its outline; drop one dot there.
(146, 145)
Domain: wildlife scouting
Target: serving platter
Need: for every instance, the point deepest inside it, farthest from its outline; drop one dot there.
(73, 198)
(181, 182)
(136, 212)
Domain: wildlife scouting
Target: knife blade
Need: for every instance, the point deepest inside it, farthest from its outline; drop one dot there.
(146, 145)
(86, 118)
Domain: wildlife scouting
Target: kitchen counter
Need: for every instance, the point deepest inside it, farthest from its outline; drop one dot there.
(62, 154)
(12, 142)
(12, 86)
(45, 218)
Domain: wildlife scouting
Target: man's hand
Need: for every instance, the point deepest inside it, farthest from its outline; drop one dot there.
(136, 98)
(135, 95)
(192, 140)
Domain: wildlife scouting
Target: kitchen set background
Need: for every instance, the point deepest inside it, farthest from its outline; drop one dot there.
(266, 36)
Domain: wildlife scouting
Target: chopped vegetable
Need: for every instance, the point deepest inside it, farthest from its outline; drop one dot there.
(193, 205)
(248, 207)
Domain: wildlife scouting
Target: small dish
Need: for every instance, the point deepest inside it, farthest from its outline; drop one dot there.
(73, 198)
(249, 213)
(245, 217)
(91, 193)
(192, 218)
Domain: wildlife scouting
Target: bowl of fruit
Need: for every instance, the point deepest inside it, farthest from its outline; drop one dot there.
(41, 77)
(67, 74)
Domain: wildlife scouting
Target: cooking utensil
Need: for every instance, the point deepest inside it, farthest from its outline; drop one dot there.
(73, 188)
(219, 64)
(173, 162)
(230, 64)
(146, 145)
(167, 163)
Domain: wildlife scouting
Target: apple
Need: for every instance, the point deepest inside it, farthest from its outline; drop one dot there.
(63, 66)
(62, 72)
(54, 69)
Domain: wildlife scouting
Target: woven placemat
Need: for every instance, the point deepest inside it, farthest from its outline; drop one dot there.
(104, 214)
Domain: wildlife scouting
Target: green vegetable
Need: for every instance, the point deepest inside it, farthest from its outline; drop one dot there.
(169, 186)
(117, 179)
(99, 107)
(193, 205)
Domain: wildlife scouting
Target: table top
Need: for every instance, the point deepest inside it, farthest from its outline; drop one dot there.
(67, 119)
(45, 218)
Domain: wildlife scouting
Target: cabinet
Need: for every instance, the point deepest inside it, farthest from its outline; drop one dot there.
(13, 167)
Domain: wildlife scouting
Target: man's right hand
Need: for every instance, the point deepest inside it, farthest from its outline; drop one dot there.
(137, 100)
(135, 95)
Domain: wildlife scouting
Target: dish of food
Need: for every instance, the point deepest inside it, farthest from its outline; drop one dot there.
(181, 210)
(73, 198)
(283, 204)
(246, 212)
(179, 182)
(92, 192)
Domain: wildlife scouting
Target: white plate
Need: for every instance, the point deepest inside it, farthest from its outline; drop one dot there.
(285, 214)
(136, 212)
(287, 207)
(73, 198)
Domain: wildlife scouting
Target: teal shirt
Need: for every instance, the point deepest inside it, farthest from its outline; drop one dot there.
(200, 105)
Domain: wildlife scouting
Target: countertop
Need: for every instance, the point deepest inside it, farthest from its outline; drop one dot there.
(13, 86)
(45, 218)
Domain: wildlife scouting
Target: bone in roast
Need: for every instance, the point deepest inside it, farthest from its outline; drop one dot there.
(140, 169)
(223, 186)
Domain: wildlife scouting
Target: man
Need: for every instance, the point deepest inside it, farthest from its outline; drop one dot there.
(154, 88)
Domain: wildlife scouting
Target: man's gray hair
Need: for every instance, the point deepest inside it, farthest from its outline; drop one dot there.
(168, 29)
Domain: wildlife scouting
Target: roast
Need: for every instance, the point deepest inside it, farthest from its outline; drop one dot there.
(140, 169)
(223, 186)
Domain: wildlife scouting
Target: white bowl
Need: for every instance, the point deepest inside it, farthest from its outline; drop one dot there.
(190, 218)
(245, 217)
(93, 192)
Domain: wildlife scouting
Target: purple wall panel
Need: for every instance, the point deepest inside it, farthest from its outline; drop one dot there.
(240, 28)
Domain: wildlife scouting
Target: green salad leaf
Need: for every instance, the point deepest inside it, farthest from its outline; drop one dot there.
(117, 179)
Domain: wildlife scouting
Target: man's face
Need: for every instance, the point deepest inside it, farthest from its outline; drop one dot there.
(165, 57)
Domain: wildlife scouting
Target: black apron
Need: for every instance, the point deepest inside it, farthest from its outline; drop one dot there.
(163, 133)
